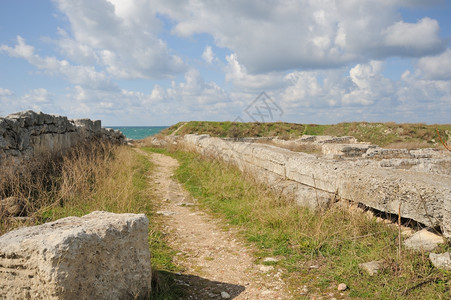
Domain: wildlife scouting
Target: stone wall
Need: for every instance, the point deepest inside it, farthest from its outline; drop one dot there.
(315, 181)
(27, 133)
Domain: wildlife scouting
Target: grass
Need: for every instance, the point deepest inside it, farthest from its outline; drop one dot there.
(382, 134)
(93, 177)
(319, 250)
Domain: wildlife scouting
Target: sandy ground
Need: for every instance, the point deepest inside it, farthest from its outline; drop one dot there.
(216, 263)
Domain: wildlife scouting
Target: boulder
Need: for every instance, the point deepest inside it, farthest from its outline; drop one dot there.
(99, 256)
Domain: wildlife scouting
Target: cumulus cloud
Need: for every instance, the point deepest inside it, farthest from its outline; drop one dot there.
(436, 67)
(283, 35)
(415, 39)
(5, 92)
(237, 74)
(38, 99)
(120, 35)
(208, 55)
(82, 75)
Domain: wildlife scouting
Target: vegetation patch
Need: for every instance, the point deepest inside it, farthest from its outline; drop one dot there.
(89, 178)
(318, 250)
(390, 134)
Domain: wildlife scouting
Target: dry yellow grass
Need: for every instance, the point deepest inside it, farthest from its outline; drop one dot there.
(96, 176)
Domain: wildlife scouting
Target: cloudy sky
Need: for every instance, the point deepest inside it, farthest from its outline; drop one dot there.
(157, 62)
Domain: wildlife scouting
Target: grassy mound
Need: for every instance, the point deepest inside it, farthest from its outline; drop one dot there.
(382, 134)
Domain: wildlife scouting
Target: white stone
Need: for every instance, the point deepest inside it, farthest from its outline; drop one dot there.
(99, 256)
(441, 261)
(423, 240)
(266, 268)
(371, 267)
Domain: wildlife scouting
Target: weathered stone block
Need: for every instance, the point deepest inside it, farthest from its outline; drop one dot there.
(425, 198)
(99, 256)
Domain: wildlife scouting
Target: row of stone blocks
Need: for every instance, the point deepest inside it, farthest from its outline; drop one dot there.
(314, 181)
(99, 256)
(29, 132)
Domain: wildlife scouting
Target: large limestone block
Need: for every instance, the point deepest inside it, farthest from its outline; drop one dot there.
(425, 198)
(99, 256)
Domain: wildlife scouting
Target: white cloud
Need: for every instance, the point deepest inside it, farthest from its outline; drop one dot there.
(5, 92)
(436, 67)
(208, 54)
(238, 75)
(81, 75)
(283, 35)
(120, 35)
(414, 39)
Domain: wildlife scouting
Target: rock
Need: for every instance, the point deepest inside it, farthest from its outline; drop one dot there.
(371, 267)
(166, 213)
(27, 131)
(225, 295)
(342, 287)
(425, 198)
(12, 207)
(441, 261)
(99, 256)
(266, 268)
(270, 259)
(423, 240)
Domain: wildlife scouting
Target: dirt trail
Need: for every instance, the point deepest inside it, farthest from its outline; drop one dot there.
(216, 263)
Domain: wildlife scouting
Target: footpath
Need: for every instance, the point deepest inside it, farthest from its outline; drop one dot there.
(216, 262)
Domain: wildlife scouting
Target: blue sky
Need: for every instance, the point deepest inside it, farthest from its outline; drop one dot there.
(158, 62)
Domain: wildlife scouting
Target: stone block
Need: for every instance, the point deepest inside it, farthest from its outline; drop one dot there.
(423, 240)
(99, 256)
(441, 261)
(425, 198)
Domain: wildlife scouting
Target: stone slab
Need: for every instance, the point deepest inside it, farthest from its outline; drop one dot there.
(99, 256)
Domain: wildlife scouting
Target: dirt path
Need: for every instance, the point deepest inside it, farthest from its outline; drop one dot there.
(216, 263)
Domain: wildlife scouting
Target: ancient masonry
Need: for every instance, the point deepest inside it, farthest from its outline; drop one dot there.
(416, 182)
(98, 256)
(27, 133)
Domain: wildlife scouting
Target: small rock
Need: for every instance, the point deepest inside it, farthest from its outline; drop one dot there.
(304, 290)
(266, 268)
(166, 213)
(371, 267)
(423, 240)
(314, 267)
(441, 261)
(225, 295)
(342, 287)
(270, 259)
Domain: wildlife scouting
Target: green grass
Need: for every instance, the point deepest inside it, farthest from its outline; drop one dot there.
(382, 134)
(334, 241)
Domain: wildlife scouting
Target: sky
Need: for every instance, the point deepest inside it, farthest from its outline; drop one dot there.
(158, 62)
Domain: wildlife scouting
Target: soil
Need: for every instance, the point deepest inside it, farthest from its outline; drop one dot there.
(216, 261)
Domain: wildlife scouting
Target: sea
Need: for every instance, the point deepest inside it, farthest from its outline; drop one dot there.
(138, 133)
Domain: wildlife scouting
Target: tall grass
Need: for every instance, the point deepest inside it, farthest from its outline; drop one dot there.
(96, 176)
(318, 250)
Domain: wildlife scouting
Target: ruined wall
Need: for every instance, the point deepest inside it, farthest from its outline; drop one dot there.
(27, 133)
(315, 180)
